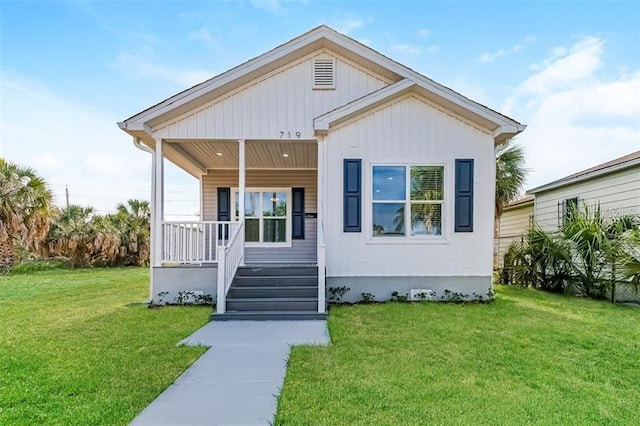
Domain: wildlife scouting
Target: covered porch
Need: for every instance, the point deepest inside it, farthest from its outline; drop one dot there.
(259, 205)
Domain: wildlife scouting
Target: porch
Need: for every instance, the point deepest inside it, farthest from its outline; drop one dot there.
(259, 206)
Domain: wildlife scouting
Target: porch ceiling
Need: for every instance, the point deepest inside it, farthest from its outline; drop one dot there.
(260, 154)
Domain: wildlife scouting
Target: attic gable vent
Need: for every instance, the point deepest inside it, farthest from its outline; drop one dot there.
(324, 73)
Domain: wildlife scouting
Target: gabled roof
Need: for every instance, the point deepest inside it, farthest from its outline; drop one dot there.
(626, 161)
(520, 202)
(502, 126)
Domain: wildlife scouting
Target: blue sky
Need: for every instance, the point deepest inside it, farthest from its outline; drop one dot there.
(70, 70)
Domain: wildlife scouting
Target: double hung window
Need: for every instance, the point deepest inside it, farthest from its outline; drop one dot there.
(407, 201)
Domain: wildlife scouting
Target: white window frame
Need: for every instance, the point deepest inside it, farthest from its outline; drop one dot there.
(261, 219)
(407, 237)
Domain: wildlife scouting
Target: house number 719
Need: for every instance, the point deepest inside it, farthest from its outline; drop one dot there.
(288, 134)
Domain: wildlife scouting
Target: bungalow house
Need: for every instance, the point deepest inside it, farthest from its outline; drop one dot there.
(614, 185)
(323, 165)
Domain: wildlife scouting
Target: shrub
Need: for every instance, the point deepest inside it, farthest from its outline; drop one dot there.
(588, 256)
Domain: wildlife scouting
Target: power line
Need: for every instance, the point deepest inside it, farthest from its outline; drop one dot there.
(118, 189)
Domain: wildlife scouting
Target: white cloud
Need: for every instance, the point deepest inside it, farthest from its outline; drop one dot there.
(344, 23)
(139, 66)
(274, 6)
(413, 49)
(567, 66)
(490, 57)
(577, 117)
(423, 32)
(203, 34)
(408, 49)
(74, 144)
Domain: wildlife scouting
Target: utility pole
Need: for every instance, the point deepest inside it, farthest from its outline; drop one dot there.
(66, 191)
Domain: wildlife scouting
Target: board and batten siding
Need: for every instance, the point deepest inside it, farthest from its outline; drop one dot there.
(282, 101)
(618, 193)
(409, 130)
(513, 225)
(300, 250)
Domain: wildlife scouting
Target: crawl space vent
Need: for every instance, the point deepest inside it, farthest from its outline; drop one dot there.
(324, 73)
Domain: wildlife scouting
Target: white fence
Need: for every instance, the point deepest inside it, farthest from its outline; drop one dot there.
(194, 242)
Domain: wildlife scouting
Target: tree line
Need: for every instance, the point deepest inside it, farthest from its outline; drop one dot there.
(32, 227)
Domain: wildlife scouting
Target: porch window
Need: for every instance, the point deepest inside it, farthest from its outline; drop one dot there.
(267, 216)
(407, 201)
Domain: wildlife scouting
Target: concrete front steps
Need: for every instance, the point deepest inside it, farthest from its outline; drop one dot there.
(273, 292)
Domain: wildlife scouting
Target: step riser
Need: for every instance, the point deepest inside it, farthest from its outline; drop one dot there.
(257, 316)
(254, 281)
(281, 271)
(280, 292)
(240, 305)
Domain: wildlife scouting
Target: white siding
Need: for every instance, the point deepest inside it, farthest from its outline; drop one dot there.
(283, 101)
(514, 223)
(300, 250)
(410, 130)
(617, 193)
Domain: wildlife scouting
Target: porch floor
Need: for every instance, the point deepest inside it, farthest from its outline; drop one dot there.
(238, 380)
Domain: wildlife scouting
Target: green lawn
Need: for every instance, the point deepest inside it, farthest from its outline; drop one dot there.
(528, 358)
(77, 347)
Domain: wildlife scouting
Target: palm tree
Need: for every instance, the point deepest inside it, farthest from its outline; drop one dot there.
(83, 237)
(25, 208)
(587, 233)
(133, 222)
(510, 177)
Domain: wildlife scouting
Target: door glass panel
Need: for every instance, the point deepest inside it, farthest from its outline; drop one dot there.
(251, 204)
(275, 230)
(274, 204)
(252, 230)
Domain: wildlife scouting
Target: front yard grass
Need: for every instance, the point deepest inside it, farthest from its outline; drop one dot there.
(76, 350)
(528, 358)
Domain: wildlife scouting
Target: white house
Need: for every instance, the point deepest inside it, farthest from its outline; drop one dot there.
(323, 164)
(614, 186)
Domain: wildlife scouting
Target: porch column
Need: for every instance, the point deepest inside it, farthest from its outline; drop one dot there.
(241, 188)
(241, 178)
(321, 173)
(158, 206)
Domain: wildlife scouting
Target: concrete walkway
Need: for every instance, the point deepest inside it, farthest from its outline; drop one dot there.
(237, 381)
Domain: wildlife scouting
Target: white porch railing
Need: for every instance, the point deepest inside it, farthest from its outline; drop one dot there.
(322, 263)
(194, 242)
(229, 258)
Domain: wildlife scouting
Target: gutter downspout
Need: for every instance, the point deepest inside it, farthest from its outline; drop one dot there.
(142, 147)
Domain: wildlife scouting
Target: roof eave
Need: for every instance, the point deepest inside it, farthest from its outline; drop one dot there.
(597, 173)
(324, 32)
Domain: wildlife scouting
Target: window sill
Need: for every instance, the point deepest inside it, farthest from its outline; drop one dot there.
(407, 240)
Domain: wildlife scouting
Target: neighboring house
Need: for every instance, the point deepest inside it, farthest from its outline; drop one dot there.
(516, 219)
(356, 171)
(614, 185)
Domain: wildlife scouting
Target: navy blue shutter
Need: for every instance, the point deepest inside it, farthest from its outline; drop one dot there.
(297, 214)
(464, 196)
(224, 204)
(352, 204)
(224, 210)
